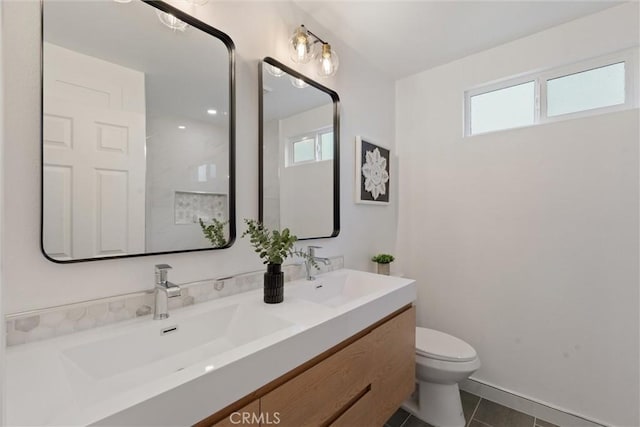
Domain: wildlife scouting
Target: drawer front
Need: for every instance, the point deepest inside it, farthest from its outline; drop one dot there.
(318, 395)
(360, 414)
(394, 363)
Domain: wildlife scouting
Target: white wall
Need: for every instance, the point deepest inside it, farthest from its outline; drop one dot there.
(271, 179)
(525, 242)
(258, 29)
(306, 190)
(200, 144)
(2, 301)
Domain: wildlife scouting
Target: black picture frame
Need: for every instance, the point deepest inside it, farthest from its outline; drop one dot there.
(372, 188)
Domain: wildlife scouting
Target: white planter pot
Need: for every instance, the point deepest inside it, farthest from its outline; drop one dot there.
(383, 269)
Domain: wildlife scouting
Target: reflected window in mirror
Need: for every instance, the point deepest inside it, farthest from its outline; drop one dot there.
(312, 147)
(299, 149)
(137, 131)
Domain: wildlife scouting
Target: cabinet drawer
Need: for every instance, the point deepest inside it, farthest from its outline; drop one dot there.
(360, 414)
(316, 396)
(394, 362)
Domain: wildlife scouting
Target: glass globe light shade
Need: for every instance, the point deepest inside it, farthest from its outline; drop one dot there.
(171, 21)
(327, 61)
(299, 83)
(301, 46)
(274, 71)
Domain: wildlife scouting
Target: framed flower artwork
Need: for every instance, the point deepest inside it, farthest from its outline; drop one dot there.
(372, 172)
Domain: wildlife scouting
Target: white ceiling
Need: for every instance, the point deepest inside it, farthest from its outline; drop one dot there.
(281, 99)
(405, 37)
(186, 73)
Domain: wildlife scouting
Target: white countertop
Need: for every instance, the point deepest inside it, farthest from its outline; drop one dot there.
(42, 389)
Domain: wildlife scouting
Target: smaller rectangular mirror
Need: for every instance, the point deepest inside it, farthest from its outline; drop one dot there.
(299, 153)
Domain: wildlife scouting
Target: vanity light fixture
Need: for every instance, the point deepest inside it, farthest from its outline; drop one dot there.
(171, 21)
(301, 45)
(302, 50)
(328, 61)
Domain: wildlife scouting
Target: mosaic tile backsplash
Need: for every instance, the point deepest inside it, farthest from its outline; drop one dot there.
(56, 321)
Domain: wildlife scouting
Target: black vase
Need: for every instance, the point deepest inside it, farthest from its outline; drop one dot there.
(273, 284)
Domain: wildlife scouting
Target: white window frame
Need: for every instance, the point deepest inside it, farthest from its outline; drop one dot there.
(504, 84)
(628, 56)
(630, 69)
(313, 135)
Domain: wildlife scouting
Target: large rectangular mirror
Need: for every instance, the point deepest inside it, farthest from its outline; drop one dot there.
(299, 153)
(137, 131)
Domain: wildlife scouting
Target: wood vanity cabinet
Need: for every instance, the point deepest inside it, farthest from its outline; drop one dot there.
(360, 382)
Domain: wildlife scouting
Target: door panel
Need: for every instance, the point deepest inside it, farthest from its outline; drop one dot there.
(96, 130)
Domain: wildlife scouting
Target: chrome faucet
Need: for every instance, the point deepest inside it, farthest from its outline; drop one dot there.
(163, 291)
(311, 258)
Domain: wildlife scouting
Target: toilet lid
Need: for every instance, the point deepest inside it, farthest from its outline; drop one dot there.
(441, 346)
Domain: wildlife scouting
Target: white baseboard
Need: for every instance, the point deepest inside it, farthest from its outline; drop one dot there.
(527, 405)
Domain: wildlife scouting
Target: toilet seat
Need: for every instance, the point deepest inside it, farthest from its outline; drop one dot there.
(440, 346)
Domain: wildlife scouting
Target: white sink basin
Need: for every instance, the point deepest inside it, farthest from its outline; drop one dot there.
(146, 352)
(340, 288)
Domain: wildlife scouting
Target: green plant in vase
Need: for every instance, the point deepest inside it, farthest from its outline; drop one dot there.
(273, 247)
(383, 261)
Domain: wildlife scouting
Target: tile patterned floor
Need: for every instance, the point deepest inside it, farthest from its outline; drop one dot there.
(478, 412)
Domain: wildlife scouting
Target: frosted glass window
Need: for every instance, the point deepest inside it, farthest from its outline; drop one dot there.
(505, 108)
(304, 151)
(597, 88)
(326, 145)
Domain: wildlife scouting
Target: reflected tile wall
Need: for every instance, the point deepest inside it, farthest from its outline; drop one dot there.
(188, 207)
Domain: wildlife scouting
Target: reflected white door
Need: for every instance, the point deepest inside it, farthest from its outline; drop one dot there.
(94, 157)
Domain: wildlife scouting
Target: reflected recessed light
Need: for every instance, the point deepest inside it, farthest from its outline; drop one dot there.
(225, 113)
(182, 127)
(212, 112)
(208, 368)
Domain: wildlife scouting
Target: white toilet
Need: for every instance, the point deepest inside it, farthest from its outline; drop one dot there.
(442, 361)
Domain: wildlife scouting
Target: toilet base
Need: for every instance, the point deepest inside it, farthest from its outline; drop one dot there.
(437, 404)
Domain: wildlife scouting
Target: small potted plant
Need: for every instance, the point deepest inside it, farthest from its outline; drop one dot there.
(273, 247)
(383, 261)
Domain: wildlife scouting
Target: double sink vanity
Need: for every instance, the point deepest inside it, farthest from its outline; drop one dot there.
(338, 351)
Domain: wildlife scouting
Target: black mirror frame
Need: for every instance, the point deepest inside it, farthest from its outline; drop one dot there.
(224, 38)
(336, 142)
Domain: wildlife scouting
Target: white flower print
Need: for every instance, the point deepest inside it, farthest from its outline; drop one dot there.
(375, 174)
